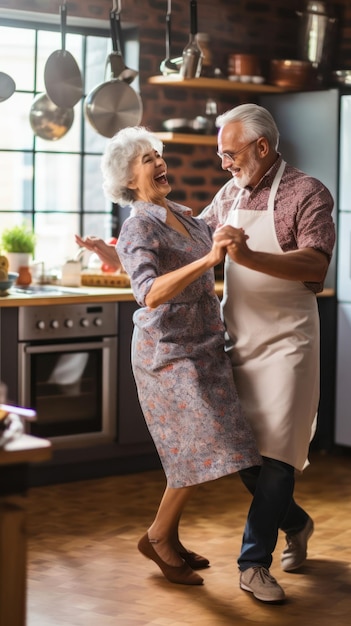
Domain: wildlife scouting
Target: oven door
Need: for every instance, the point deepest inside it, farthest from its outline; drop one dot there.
(72, 386)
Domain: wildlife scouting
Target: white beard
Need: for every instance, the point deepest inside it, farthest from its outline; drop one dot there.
(246, 173)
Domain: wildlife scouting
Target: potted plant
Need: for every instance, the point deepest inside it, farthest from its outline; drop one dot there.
(18, 243)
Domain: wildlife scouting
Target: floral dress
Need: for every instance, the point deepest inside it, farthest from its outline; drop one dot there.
(183, 376)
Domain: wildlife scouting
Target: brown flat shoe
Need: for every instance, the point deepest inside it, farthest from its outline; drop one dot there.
(183, 574)
(195, 561)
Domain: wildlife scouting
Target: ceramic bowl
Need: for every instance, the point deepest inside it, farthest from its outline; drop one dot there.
(7, 284)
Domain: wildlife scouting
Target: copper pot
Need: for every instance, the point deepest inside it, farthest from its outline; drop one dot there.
(293, 74)
(244, 65)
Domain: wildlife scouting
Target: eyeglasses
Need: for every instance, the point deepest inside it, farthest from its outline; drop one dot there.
(231, 156)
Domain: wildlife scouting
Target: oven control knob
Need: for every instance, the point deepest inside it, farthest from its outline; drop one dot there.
(84, 322)
(54, 324)
(40, 325)
(69, 323)
(98, 321)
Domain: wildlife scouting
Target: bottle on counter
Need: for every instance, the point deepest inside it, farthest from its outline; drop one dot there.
(208, 69)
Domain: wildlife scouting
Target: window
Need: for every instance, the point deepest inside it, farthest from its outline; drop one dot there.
(54, 185)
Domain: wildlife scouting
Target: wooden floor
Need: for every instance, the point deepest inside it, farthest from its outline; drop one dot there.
(84, 568)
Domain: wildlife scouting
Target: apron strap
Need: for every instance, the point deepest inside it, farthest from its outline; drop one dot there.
(275, 185)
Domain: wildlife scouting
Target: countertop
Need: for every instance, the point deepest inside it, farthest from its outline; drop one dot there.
(80, 295)
(85, 295)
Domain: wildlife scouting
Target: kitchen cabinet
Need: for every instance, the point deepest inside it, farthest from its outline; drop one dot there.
(15, 458)
(132, 449)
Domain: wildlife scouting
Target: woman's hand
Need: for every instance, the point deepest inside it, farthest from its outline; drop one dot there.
(106, 252)
(220, 244)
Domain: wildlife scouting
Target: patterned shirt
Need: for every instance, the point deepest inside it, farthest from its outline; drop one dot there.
(302, 213)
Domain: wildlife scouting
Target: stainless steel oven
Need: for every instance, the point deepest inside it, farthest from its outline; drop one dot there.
(67, 369)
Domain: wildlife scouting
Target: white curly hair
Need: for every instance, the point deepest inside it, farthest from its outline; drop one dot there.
(121, 151)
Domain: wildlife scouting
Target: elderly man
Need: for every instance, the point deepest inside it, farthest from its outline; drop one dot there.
(270, 310)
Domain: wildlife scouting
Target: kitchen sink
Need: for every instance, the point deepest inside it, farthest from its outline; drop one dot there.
(42, 290)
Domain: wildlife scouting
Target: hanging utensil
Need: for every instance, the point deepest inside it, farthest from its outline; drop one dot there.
(62, 77)
(115, 59)
(7, 86)
(126, 74)
(192, 55)
(49, 121)
(168, 66)
(113, 105)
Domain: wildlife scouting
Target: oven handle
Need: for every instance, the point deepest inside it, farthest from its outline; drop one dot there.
(65, 347)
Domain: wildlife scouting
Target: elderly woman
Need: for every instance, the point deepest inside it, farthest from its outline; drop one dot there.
(183, 376)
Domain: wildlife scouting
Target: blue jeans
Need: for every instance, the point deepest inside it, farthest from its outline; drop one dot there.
(272, 507)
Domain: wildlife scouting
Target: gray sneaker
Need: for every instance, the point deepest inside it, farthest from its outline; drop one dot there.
(295, 552)
(264, 587)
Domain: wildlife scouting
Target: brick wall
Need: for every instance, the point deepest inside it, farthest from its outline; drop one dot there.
(267, 28)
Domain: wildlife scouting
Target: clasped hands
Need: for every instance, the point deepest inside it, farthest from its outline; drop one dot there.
(234, 239)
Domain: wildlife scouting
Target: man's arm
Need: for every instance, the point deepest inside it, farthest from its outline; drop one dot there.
(305, 265)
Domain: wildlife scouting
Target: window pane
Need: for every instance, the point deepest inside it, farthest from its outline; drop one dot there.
(94, 199)
(55, 238)
(98, 225)
(16, 178)
(56, 185)
(9, 220)
(17, 55)
(15, 129)
(97, 51)
(93, 141)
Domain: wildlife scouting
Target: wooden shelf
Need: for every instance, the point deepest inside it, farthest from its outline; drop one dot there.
(209, 85)
(187, 138)
(214, 84)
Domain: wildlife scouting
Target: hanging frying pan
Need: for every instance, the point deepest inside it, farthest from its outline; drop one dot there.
(126, 73)
(49, 121)
(113, 105)
(7, 86)
(62, 77)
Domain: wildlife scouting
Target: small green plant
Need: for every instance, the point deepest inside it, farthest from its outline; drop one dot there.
(18, 239)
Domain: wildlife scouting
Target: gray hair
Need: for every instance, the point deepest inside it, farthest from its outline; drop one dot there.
(256, 120)
(117, 160)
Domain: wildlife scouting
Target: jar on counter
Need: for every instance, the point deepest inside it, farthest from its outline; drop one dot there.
(24, 276)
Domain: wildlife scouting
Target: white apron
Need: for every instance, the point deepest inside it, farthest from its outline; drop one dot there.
(273, 341)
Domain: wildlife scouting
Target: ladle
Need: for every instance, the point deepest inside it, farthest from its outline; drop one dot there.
(168, 66)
